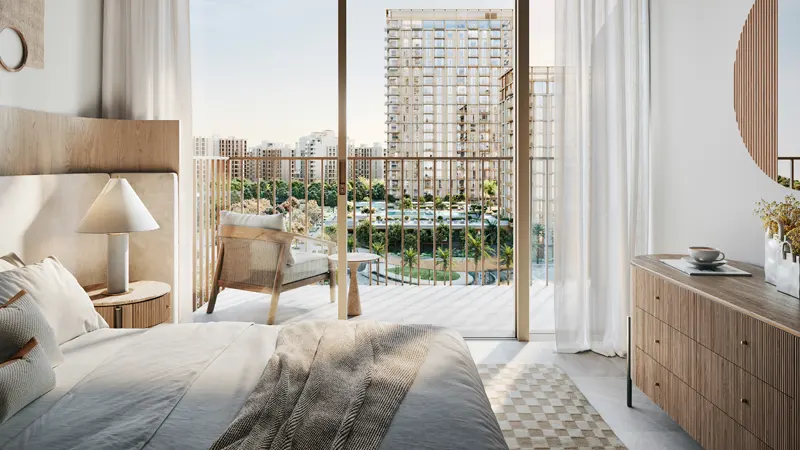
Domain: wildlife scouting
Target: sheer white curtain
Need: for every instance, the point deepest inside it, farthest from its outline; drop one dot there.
(602, 168)
(147, 76)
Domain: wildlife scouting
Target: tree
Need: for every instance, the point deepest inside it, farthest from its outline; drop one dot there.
(477, 251)
(438, 203)
(407, 203)
(490, 231)
(538, 235)
(315, 192)
(490, 188)
(410, 257)
(442, 258)
(298, 189)
(378, 190)
(281, 191)
(378, 247)
(314, 212)
(428, 197)
(442, 234)
(363, 230)
(331, 196)
(507, 260)
(426, 235)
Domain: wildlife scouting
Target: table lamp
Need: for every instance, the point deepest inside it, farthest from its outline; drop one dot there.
(116, 212)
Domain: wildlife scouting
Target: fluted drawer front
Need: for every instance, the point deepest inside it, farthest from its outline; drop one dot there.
(760, 408)
(666, 301)
(649, 376)
(719, 432)
(667, 346)
(761, 349)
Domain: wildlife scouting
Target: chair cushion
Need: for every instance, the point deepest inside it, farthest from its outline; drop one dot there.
(306, 265)
(265, 221)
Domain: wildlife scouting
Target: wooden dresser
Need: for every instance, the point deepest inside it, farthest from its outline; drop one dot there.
(720, 355)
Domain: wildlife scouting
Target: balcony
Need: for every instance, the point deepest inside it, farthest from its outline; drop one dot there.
(442, 226)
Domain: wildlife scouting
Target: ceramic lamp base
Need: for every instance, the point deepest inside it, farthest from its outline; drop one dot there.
(117, 263)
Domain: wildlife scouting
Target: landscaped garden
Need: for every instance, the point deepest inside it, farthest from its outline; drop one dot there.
(424, 274)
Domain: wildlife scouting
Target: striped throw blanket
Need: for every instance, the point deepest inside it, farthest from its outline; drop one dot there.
(330, 385)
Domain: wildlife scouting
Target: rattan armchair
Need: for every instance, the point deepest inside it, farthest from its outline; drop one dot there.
(254, 259)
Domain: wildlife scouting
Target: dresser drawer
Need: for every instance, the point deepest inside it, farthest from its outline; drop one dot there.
(765, 351)
(668, 302)
(667, 346)
(758, 407)
(649, 376)
(720, 432)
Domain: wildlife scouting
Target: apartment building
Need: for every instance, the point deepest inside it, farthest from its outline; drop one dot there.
(315, 145)
(443, 72)
(366, 168)
(232, 147)
(268, 169)
(542, 132)
(204, 146)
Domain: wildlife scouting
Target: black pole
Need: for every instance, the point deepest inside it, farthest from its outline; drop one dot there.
(629, 382)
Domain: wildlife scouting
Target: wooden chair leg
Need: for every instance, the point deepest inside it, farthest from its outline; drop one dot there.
(273, 307)
(212, 302)
(332, 273)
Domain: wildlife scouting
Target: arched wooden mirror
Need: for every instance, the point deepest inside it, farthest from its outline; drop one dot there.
(766, 88)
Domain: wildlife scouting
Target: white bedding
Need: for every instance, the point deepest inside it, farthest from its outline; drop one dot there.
(446, 407)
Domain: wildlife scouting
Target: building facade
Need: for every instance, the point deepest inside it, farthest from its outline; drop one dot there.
(267, 169)
(443, 72)
(368, 168)
(232, 147)
(314, 145)
(542, 134)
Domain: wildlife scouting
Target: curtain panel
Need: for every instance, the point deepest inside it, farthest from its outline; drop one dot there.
(602, 167)
(147, 76)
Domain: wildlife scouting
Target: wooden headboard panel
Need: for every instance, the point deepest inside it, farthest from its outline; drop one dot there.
(40, 143)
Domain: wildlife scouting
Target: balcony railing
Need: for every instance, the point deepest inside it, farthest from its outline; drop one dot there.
(433, 220)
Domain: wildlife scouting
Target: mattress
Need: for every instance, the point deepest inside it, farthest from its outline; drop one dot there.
(446, 407)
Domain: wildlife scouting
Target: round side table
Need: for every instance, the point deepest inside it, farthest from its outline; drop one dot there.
(146, 305)
(353, 261)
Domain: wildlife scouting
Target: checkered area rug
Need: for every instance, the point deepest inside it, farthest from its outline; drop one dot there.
(539, 407)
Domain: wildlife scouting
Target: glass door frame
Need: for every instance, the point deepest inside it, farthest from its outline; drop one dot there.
(522, 194)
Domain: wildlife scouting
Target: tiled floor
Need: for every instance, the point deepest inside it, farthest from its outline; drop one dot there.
(602, 381)
(475, 311)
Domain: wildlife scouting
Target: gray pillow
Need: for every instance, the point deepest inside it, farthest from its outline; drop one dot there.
(20, 320)
(24, 378)
(268, 222)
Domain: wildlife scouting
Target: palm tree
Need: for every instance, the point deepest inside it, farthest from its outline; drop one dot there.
(477, 251)
(507, 260)
(410, 259)
(438, 203)
(407, 203)
(378, 247)
(490, 188)
(443, 258)
(538, 233)
(490, 230)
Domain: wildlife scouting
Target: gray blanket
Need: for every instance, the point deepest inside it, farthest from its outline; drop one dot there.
(330, 385)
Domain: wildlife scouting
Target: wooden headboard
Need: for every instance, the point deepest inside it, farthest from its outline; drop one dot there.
(52, 167)
(40, 143)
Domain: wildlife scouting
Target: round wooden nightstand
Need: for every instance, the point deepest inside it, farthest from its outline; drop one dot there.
(146, 305)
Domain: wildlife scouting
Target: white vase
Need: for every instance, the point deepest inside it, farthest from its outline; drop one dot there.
(772, 253)
(787, 273)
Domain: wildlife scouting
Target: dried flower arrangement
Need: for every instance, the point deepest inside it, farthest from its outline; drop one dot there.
(787, 213)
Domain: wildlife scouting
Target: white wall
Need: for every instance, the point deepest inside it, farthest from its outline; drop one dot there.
(705, 184)
(70, 81)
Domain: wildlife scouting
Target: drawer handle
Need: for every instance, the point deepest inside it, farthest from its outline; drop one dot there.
(743, 342)
(745, 401)
(658, 384)
(657, 341)
(658, 298)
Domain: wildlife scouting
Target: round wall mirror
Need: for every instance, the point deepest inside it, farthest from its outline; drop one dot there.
(13, 49)
(766, 92)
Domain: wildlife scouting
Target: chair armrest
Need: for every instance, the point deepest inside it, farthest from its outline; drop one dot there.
(302, 237)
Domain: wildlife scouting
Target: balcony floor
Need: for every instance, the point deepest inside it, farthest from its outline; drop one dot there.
(475, 311)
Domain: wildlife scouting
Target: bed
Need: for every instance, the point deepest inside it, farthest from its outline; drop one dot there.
(446, 407)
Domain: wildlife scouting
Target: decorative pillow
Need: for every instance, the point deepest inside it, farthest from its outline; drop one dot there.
(63, 302)
(20, 320)
(24, 378)
(10, 262)
(267, 222)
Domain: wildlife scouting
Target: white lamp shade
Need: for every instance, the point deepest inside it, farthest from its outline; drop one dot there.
(117, 210)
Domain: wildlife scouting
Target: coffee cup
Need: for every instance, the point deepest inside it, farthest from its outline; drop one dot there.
(706, 254)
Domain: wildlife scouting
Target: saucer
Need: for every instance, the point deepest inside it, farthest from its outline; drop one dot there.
(703, 265)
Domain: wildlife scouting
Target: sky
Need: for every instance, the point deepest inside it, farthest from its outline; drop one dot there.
(267, 70)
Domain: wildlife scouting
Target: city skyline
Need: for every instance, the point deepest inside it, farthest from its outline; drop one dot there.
(237, 95)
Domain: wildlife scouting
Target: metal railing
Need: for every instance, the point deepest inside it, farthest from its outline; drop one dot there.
(433, 219)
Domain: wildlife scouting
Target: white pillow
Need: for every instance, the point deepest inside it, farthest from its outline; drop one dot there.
(63, 302)
(10, 262)
(267, 222)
